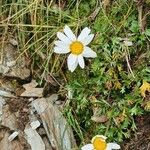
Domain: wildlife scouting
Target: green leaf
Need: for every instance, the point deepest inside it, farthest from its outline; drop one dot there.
(134, 26)
(147, 32)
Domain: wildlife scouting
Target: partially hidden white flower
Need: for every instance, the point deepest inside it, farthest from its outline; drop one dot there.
(99, 143)
(76, 46)
(128, 43)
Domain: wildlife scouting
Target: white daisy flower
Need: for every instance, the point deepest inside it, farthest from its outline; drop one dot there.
(99, 143)
(76, 46)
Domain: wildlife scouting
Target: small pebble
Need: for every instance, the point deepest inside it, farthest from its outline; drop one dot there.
(11, 63)
(58, 102)
(35, 124)
(12, 136)
(13, 42)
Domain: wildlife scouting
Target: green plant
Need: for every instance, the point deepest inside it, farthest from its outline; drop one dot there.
(110, 84)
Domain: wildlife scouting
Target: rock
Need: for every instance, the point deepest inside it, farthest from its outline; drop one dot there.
(2, 102)
(53, 98)
(8, 119)
(13, 41)
(12, 65)
(6, 94)
(31, 90)
(47, 144)
(57, 129)
(99, 118)
(34, 139)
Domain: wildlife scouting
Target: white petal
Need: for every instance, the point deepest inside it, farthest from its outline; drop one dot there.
(89, 53)
(111, 146)
(87, 147)
(72, 62)
(63, 38)
(88, 39)
(128, 43)
(60, 50)
(81, 61)
(60, 43)
(101, 136)
(84, 33)
(69, 33)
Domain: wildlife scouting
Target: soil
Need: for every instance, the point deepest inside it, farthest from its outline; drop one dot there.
(21, 106)
(141, 138)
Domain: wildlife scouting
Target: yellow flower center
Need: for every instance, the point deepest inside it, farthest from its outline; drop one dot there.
(99, 143)
(76, 48)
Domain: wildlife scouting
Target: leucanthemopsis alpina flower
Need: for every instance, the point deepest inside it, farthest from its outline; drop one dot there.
(99, 143)
(76, 46)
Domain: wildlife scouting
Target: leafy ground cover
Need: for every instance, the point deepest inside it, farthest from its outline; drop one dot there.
(113, 89)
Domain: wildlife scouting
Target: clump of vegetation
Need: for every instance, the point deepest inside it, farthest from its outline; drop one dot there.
(105, 97)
